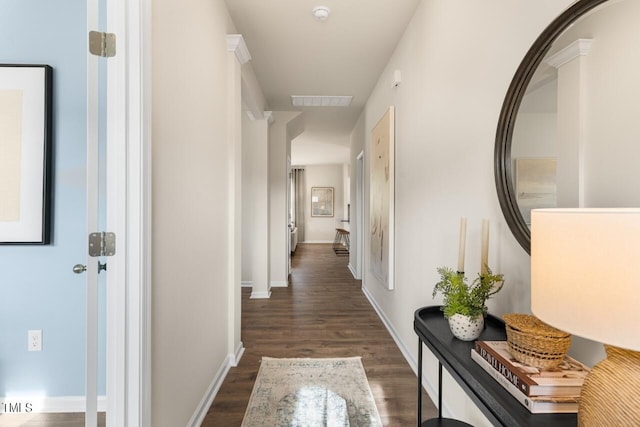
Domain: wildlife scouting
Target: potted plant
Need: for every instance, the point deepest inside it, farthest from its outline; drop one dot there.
(464, 305)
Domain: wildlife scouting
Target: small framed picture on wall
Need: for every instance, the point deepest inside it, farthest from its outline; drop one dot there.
(322, 201)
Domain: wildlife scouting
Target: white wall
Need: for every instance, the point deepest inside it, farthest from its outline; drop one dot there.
(356, 260)
(346, 191)
(610, 107)
(37, 288)
(190, 313)
(323, 229)
(536, 135)
(457, 60)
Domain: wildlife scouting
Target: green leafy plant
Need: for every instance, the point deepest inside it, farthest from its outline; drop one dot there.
(462, 298)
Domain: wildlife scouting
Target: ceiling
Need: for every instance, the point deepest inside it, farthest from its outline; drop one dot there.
(293, 54)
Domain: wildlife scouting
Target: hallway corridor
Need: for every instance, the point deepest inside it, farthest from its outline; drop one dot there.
(323, 313)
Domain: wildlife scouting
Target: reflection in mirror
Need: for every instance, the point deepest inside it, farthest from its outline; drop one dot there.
(575, 138)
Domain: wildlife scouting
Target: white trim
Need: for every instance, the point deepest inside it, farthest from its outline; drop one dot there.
(387, 323)
(234, 201)
(392, 199)
(139, 358)
(203, 407)
(237, 45)
(135, 19)
(318, 242)
(580, 47)
(358, 241)
(247, 284)
(260, 295)
(116, 214)
(129, 215)
(279, 284)
(237, 355)
(90, 400)
(56, 405)
(413, 363)
(352, 270)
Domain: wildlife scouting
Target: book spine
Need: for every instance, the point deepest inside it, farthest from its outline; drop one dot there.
(495, 361)
(533, 406)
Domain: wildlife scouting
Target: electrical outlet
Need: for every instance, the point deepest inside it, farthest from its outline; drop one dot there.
(34, 340)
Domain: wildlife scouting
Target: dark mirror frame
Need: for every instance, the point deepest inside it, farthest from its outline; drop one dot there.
(502, 154)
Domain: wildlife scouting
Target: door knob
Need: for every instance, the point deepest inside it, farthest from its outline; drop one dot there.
(79, 268)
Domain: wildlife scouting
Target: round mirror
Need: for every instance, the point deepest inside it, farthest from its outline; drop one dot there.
(568, 134)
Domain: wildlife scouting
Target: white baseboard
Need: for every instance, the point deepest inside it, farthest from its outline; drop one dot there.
(235, 358)
(431, 391)
(315, 242)
(39, 404)
(246, 284)
(279, 284)
(260, 295)
(352, 270)
(210, 394)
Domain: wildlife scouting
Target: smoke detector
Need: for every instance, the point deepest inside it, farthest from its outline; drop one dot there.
(321, 13)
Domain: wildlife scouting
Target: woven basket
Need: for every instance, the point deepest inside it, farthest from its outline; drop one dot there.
(535, 343)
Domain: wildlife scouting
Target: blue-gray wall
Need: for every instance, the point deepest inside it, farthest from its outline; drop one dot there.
(37, 287)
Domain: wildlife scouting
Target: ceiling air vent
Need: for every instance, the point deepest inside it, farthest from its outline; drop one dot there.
(321, 101)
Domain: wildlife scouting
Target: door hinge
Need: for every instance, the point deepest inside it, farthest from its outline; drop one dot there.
(102, 244)
(102, 44)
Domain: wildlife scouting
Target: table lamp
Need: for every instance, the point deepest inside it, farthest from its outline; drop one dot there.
(585, 280)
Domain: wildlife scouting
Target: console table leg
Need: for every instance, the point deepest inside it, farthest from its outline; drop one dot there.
(439, 389)
(419, 382)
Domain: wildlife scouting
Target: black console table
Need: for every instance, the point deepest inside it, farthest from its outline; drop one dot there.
(496, 403)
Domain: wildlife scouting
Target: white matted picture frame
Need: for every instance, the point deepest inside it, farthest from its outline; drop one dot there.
(381, 199)
(322, 201)
(25, 153)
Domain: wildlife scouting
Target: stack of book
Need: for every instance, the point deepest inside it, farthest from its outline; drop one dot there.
(554, 390)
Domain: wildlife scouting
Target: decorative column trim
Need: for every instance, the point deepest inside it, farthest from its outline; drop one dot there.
(237, 45)
(580, 47)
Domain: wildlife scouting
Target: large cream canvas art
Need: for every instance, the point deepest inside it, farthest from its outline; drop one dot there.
(381, 196)
(10, 153)
(25, 153)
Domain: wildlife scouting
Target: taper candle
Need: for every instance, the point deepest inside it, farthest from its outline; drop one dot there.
(461, 246)
(484, 257)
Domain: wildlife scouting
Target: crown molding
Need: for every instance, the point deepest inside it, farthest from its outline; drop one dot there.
(237, 45)
(580, 47)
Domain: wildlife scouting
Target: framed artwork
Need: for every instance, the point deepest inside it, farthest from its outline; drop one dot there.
(25, 153)
(382, 199)
(535, 184)
(322, 201)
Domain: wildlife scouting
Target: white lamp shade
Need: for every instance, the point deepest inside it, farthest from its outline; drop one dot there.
(585, 273)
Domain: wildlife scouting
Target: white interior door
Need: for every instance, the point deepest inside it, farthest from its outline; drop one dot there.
(73, 341)
(53, 350)
(99, 244)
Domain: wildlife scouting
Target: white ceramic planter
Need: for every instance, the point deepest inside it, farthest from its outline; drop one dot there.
(466, 328)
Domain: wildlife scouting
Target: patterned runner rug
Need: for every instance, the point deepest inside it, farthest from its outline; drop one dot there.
(311, 393)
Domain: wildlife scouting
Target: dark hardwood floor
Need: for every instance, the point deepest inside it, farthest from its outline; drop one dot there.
(323, 313)
(47, 420)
